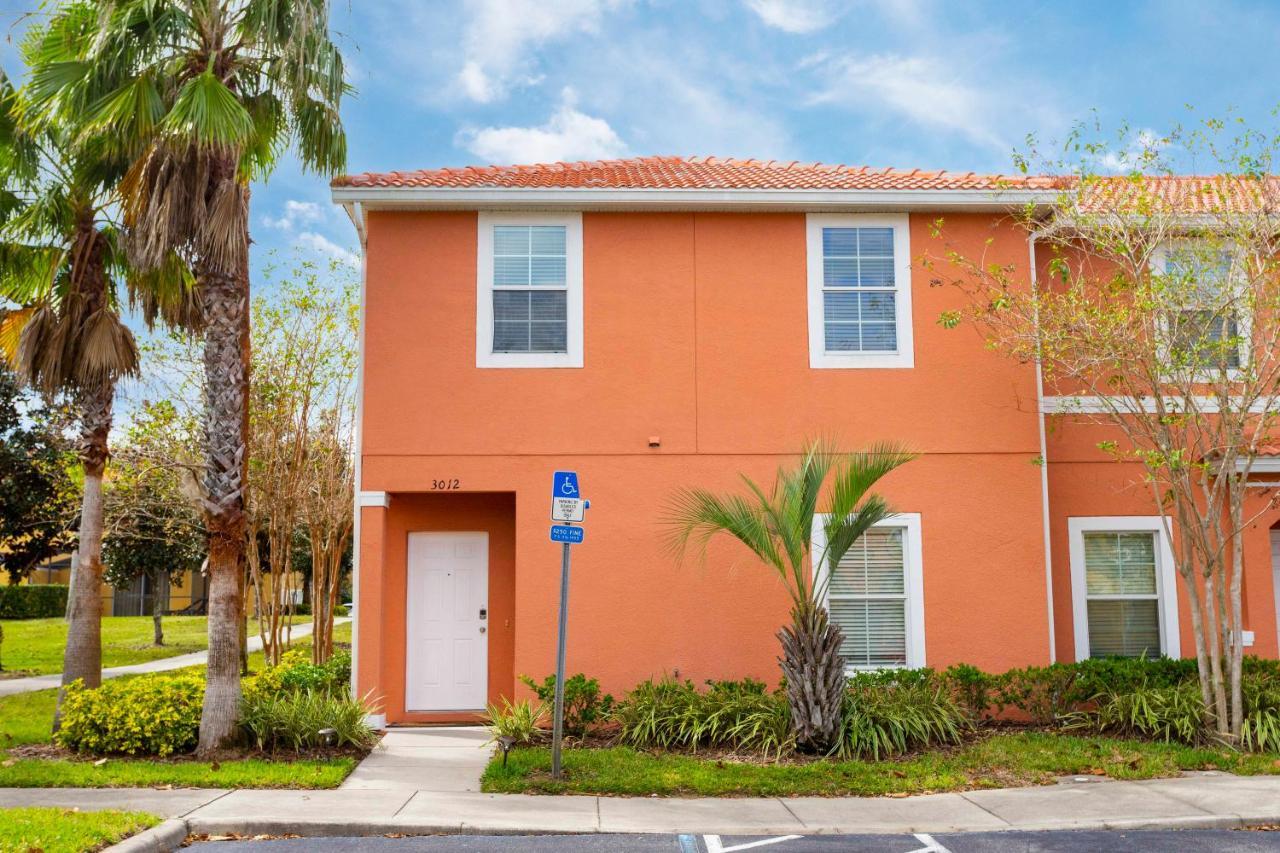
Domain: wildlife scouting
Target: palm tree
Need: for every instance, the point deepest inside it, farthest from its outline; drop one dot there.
(778, 527)
(203, 96)
(59, 263)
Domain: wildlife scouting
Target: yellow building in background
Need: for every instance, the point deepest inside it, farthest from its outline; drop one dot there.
(188, 595)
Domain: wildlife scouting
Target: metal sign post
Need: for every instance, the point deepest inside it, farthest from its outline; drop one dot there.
(567, 506)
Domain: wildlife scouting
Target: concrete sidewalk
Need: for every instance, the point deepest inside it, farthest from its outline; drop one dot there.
(443, 759)
(10, 686)
(1205, 800)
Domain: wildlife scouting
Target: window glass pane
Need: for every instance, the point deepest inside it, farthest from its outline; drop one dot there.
(879, 337)
(511, 240)
(877, 307)
(875, 631)
(545, 270)
(875, 272)
(510, 337)
(510, 305)
(548, 306)
(1120, 563)
(511, 271)
(872, 566)
(839, 241)
(843, 337)
(1124, 628)
(839, 272)
(548, 337)
(840, 307)
(875, 241)
(547, 240)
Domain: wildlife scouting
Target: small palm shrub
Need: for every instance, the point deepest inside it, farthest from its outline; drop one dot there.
(734, 714)
(295, 720)
(890, 713)
(521, 721)
(150, 715)
(584, 705)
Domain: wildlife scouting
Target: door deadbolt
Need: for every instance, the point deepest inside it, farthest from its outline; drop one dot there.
(484, 613)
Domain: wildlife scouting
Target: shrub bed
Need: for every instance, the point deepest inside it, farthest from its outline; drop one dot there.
(151, 715)
(36, 601)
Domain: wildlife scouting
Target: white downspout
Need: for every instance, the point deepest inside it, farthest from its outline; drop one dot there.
(355, 213)
(1044, 466)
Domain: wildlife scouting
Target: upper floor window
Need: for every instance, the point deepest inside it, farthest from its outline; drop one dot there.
(859, 291)
(529, 291)
(1204, 326)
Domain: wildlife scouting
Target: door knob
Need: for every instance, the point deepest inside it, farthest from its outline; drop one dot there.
(481, 629)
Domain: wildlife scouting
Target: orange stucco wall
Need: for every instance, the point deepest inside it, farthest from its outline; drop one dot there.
(695, 333)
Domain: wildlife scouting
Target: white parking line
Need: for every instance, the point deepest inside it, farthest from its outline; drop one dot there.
(930, 845)
(713, 844)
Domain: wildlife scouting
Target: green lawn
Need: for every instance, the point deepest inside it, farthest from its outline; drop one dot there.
(53, 830)
(36, 645)
(25, 719)
(1002, 760)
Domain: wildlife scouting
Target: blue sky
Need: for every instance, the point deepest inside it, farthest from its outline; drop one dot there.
(911, 83)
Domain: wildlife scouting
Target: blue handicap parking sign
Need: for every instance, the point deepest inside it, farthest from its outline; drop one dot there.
(566, 533)
(564, 484)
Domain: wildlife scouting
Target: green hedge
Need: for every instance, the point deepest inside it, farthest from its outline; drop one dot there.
(33, 602)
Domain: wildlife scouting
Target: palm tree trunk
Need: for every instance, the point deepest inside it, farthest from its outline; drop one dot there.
(226, 308)
(158, 602)
(82, 657)
(815, 677)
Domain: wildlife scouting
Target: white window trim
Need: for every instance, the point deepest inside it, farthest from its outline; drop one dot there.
(1159, 265)
(912, 556)
(1166, 579)
(485, 356)
(904, 356)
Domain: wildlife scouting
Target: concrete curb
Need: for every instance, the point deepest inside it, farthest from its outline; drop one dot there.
(161, 838)
(400, 826)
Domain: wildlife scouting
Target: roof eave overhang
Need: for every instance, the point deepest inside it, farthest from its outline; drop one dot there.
(496, 198)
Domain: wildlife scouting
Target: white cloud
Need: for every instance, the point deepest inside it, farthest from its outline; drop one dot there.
(567, 135)
(794, 16)
(1144, 152)
(500, 34)
(322, 245)
(920, 89)
(295, 213)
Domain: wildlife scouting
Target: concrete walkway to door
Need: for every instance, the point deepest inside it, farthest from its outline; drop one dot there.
(425, 759)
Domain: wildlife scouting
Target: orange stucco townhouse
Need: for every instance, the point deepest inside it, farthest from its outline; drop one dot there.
(667, 322)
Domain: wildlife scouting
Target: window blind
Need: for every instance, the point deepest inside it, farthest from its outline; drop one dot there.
(859, 293)
(530, 290)
(867, 599)
(1123, 599)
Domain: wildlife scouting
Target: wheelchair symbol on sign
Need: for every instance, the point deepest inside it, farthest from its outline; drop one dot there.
(568, 489)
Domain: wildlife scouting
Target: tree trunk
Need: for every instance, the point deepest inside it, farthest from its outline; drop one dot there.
(815, 676)
(157, 608)
(82, 657)
(226, 309)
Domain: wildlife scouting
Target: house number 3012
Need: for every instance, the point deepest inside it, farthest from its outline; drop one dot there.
(446, 484)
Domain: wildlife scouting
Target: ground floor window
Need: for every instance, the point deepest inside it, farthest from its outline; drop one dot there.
(876, 595)
(1123, 589)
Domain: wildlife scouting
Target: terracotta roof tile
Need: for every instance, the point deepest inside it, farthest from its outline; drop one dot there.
(694, 173)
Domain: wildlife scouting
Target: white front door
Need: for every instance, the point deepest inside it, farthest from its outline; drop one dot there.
(447, 659)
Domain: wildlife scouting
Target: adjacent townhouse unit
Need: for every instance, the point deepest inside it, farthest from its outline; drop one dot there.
(665, 322)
